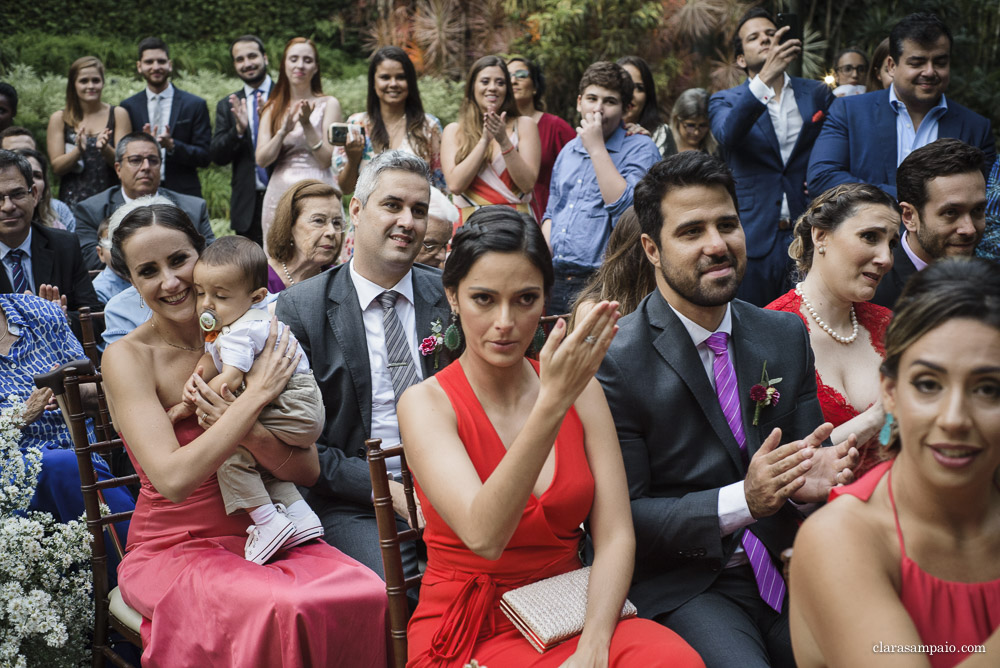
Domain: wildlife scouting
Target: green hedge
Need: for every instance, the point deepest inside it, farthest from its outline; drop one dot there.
(215, 20)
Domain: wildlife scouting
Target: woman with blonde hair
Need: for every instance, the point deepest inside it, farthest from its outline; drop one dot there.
(492, 154)
(82, 136)
(843, 247)
(689, 125)
(292, 123)
(625, 276)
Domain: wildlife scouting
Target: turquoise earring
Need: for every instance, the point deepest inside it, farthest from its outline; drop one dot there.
(885, 435)
(453, 335)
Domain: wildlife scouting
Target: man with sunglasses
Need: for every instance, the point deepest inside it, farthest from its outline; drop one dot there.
(137, 162)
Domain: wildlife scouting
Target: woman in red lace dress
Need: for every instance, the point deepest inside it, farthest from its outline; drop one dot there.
(907, 555)
(843, 247)
(510, 458)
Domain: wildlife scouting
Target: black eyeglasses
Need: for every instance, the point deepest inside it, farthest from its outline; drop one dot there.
(694, 127)
(137, 160)
(18, 196)
(852, 69)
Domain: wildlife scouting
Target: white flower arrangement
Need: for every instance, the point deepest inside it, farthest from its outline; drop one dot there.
(46, 588)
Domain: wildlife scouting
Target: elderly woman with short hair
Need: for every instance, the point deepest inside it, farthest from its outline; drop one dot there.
(306, 235)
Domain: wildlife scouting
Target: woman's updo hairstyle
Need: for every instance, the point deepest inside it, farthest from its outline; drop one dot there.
(166, 215)
(496, 229)
(827, 212)
(960, 287)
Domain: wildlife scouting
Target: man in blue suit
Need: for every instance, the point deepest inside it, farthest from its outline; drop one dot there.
(177, 119)
(766, 128)
(867, 136)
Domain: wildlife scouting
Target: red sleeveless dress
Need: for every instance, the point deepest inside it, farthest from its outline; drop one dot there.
(459, 618)
(945, 613)
(184, 569)
(836, 409)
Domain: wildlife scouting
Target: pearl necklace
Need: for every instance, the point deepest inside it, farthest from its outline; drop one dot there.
(846, 340)
(288, 274)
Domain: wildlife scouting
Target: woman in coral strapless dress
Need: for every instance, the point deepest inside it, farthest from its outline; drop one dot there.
(202, 602)
(510, 458)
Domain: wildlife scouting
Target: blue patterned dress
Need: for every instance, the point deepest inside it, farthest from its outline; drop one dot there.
(44, 339)
(989, 247)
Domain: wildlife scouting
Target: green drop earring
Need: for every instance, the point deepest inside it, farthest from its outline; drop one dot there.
(538, 340)
(453, 335)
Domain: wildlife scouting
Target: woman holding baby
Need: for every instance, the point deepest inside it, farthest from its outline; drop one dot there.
(185, 570)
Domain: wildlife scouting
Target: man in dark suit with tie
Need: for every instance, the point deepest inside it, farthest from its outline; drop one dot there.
(237, 118)
(137, 163)
(709, 478)
(942, 191)
(766, 127)
(178, 120)
(360, 325)
(43, 260)
(868, 136)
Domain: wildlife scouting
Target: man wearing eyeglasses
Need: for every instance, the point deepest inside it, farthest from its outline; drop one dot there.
(37, 259)
(137, 162)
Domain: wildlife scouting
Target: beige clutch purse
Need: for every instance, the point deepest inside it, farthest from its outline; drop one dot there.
(550, 611)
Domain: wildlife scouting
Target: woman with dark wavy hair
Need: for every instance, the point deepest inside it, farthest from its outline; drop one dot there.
(528, 84)
(906, 557)
(643, 114)
(492, 154)
(394, 119)
(518, 454)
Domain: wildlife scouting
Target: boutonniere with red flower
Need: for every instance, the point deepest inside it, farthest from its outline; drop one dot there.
(765, 393)
(818, 116)
(431, 345)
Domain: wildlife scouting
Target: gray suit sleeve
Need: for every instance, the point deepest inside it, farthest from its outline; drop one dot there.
(86, 232)
(341, 475)
(686, 525)
(205, 224)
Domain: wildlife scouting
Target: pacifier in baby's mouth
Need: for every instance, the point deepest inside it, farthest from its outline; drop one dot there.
(208, 320)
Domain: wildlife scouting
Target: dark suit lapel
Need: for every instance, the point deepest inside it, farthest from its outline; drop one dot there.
(902, 266)
(344, 315)
(807, 109)
(885, 135)
(42, 259)
(429, 305)
(748, 363)
(765, 125)
(675, 346)
(950, 125)
(175, 107)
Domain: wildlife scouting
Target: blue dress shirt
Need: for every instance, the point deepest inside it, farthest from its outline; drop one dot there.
(908, 140)
(581, 221)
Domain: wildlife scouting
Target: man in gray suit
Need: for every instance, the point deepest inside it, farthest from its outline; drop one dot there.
(137, 161)
(360, 325)
(712, 489)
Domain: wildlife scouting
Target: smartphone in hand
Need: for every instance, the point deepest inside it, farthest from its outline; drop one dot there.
(795, 28)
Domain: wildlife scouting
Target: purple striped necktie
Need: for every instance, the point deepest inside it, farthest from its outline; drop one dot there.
(769, 581)
(19, 282)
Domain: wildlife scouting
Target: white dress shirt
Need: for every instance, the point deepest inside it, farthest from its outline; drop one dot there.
(734, 513)
(166, 105)
(785, 118)
(385, 424)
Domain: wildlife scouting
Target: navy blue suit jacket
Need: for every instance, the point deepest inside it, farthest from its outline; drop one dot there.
(191, 131)
(743, 128)
(858, 142)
